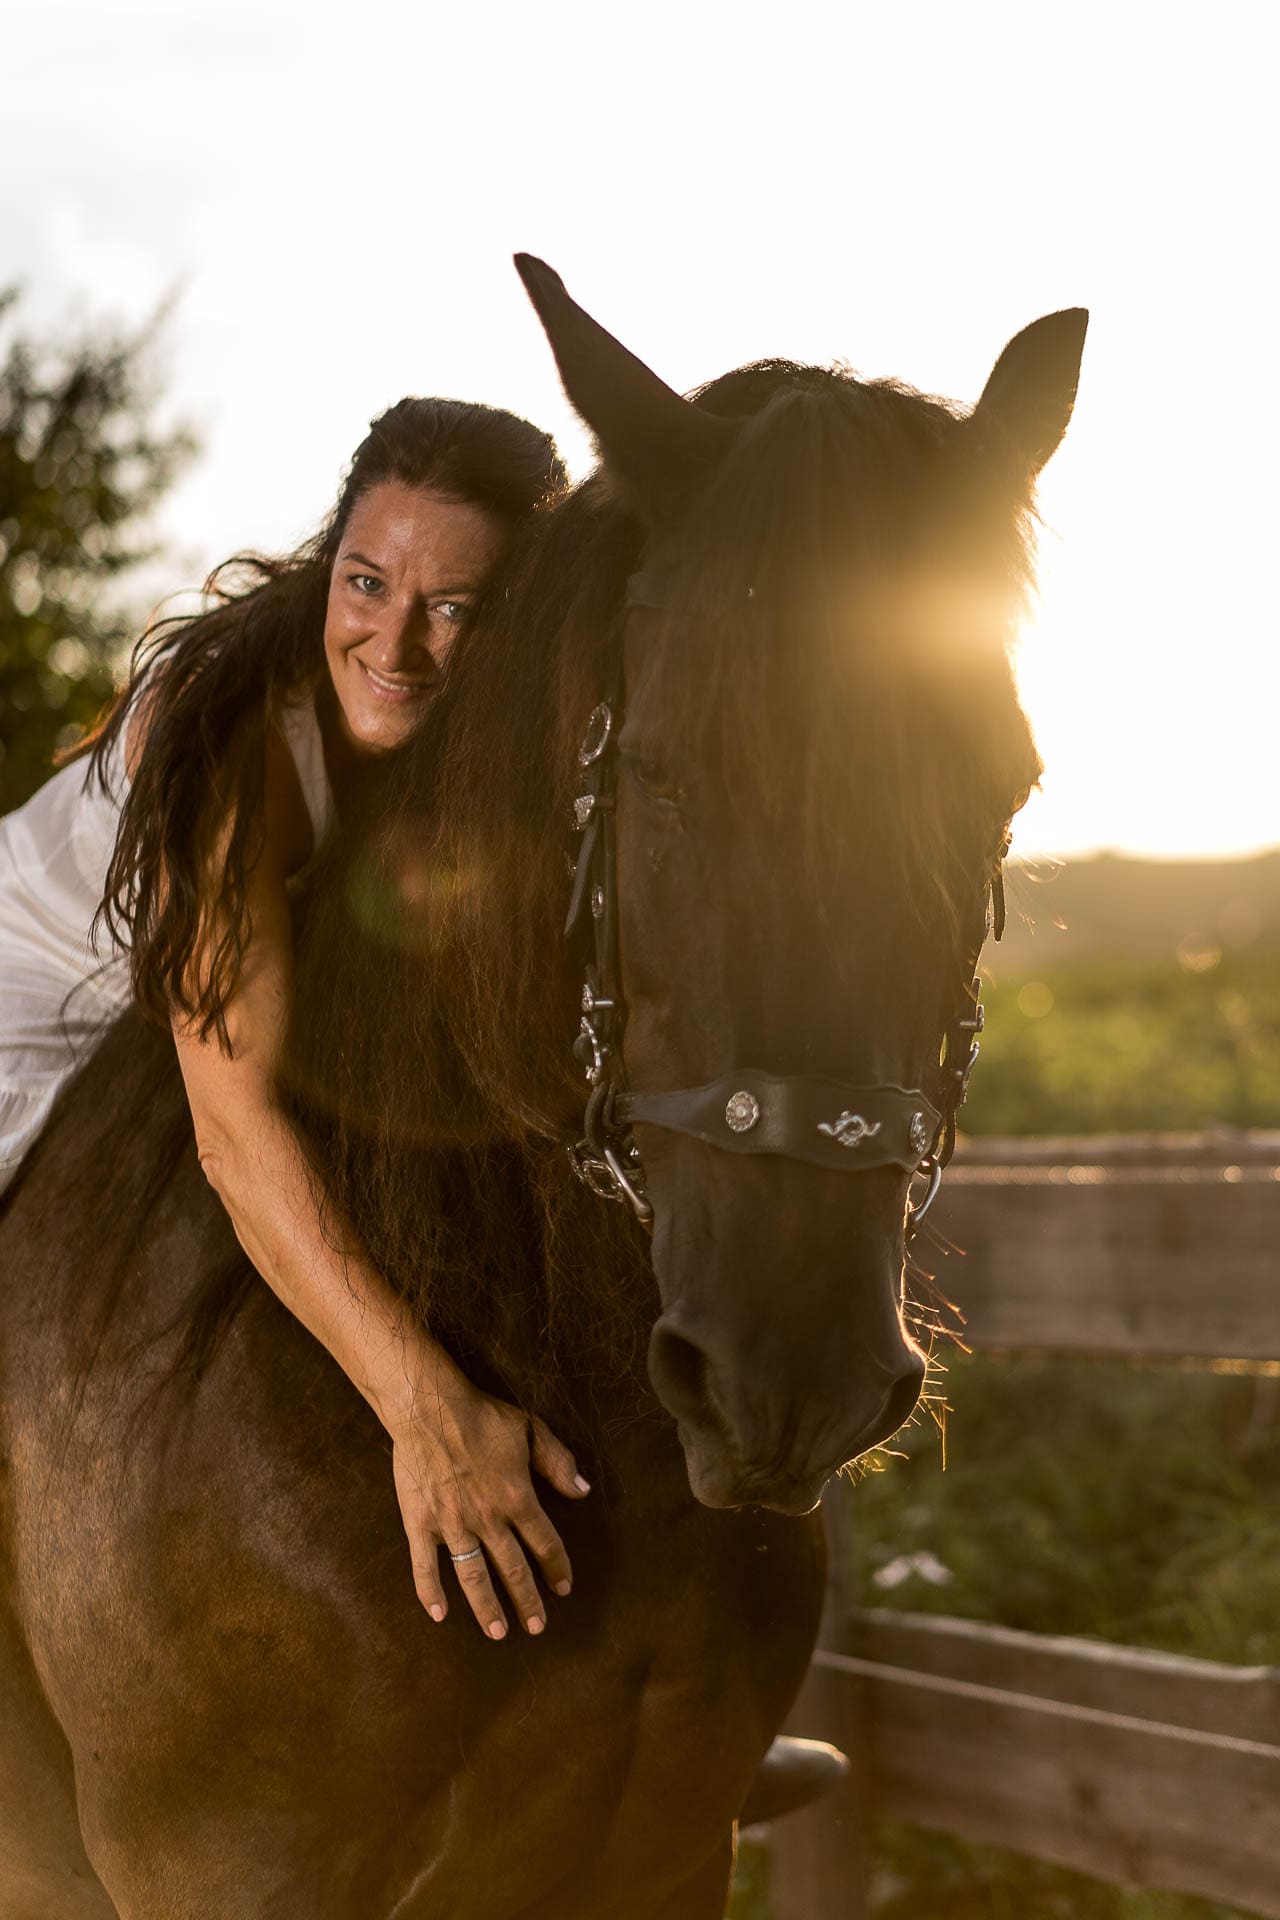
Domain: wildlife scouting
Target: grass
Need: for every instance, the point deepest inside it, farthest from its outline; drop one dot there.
(1132, 1503)
(986, 1883)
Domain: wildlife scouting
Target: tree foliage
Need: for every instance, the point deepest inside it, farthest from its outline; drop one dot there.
(81, 466)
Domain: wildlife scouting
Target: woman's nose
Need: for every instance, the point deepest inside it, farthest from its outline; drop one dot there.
(403, 643)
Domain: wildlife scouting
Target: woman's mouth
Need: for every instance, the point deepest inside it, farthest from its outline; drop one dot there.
(386, 687)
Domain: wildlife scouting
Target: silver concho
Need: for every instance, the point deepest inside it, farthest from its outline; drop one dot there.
(742, 1112)
(918, 1134)
(850, 1130)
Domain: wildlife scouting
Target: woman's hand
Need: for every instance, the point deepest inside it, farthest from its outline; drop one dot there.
(463, 1471)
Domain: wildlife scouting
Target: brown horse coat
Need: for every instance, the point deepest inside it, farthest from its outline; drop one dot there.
(220, 1695)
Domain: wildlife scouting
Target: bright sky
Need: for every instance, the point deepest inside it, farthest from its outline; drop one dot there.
(337, 192)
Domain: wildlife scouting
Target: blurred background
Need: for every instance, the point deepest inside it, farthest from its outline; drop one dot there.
(230, 233)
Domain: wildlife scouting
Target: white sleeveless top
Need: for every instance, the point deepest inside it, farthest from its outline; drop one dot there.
(59, 992)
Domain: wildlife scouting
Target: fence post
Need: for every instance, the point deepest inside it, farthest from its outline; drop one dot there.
(819, 1857)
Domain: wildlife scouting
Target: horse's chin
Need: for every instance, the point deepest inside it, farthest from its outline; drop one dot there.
(717, 1480)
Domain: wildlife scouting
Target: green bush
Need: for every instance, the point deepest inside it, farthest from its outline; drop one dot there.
(1097, 1048)
(1139, 1504)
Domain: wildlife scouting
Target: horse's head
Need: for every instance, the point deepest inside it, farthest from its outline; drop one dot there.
(820, 749)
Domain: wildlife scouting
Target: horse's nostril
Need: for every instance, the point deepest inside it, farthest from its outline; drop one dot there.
(902, 1399)
(680, 1374)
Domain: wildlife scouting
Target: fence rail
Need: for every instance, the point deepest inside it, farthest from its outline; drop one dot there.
(1140, 1768)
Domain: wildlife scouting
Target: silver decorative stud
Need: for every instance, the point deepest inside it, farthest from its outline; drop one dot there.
(597, 902)
(918, 1134)
(742, 1112)
(583, 808)
(850, 1130)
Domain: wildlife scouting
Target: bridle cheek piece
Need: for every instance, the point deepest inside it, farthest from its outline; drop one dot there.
(824, 1123)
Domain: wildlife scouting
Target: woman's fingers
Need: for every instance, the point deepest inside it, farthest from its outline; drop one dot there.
(424, 1550)
(472, 1569)
(506, 1555)
(554, 1461)
(545, 1544)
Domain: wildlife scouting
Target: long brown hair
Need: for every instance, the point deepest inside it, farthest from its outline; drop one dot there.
(191, 822)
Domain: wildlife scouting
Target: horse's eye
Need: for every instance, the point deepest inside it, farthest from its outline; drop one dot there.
(654, 777)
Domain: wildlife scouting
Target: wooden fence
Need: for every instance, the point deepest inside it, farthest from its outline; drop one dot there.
(1140, 1768)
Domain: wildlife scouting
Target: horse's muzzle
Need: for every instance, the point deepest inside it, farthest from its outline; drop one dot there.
(761, 1442)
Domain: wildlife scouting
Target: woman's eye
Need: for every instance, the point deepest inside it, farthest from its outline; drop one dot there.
(366, 583)
(453, 609)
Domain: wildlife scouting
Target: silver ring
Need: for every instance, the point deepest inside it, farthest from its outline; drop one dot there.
(473, 1554)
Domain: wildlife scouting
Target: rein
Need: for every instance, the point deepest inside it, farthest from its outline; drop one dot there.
(825, 1123)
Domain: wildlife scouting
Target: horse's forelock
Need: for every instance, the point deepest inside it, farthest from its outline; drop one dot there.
(841, 660)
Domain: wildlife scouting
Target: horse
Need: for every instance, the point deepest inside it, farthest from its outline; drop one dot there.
(740, 709)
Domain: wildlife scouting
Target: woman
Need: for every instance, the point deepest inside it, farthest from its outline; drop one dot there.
(208, 793)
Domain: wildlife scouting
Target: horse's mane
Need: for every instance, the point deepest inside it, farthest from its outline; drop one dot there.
(429, 1060)
(430, 1056)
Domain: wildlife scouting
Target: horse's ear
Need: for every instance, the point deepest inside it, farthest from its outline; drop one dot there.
(659, 445)
(1032, 388)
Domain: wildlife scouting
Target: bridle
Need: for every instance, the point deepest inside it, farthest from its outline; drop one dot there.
(824, 1123)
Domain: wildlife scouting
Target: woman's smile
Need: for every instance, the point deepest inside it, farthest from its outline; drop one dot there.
(406, 575)
(388, 687)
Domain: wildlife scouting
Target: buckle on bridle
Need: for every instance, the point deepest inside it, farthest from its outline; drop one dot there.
(603, 1172)
(915, 1215)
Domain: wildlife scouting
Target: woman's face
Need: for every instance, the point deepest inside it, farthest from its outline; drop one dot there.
(409, 566)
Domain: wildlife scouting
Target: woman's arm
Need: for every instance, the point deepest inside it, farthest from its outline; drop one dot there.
(461, 1459)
